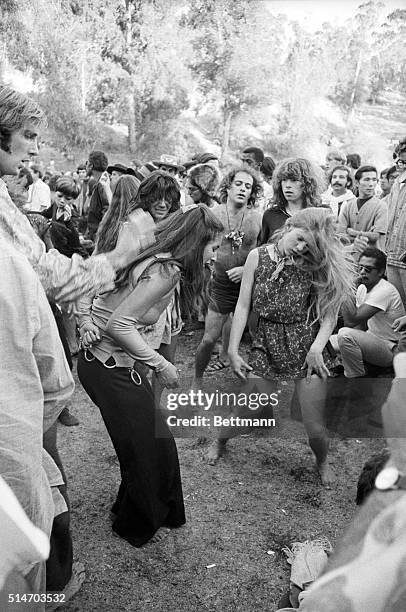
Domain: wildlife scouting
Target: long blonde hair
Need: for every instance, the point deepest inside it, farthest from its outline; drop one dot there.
(333, 273)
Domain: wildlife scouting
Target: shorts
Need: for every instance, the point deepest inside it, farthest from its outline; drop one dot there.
(223, 295)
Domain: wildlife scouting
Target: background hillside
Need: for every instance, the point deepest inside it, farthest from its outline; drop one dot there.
(142, 77)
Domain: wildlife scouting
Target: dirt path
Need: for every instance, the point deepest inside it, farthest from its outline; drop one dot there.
(261, 496)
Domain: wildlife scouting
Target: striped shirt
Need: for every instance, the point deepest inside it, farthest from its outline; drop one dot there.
(396, 234)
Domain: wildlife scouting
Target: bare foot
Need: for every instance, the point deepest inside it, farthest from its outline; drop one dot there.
(216, 450)
(326, 474)
(77, 579)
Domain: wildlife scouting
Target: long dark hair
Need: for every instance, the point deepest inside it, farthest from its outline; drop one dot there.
(124, 193)
(184, 235)
(296, 169)
(157, 186)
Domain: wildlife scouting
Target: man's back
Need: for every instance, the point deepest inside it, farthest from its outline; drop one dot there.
(39, 196)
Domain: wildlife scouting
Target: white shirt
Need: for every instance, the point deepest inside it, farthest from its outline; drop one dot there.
(328, 199)
(39, 196)
(386, 297)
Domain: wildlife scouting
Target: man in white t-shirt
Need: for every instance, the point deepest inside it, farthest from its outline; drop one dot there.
(39, 194)
(376, 307)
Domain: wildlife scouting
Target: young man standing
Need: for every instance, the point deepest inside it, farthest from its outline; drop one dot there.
(364, 220)
(253, 157)
(339, 190)
(242, 225)
(99, 202)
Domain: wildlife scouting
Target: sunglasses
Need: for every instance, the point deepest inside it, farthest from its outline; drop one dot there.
(367, 269)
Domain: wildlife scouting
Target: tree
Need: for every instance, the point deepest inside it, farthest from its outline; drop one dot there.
(231, 64)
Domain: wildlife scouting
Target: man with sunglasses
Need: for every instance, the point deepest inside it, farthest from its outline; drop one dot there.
(396, 234)
(368, 334)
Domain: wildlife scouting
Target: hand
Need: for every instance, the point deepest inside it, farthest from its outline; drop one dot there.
(136, 234)
(89, 335)
(168, 377)
(314, 362)
(399, 324)
(238, 365)
(352, 232)
(235, 274)
(360, 244)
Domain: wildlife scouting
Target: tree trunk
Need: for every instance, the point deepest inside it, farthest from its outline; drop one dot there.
(83, 84)
(354, 87)
(226, 132)
(132, 132)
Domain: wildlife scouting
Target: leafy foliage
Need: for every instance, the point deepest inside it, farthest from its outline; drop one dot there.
(227, 68)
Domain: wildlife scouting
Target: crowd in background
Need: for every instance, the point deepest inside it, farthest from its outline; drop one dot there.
(311, 260)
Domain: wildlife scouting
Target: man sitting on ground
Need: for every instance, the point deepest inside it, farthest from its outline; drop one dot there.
(377, 306)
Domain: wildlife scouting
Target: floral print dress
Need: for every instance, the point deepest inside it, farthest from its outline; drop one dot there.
(283, 335)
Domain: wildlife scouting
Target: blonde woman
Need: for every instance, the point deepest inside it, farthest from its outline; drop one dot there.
(296, 285)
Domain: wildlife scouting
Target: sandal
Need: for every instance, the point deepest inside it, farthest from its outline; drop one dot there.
(217, 366)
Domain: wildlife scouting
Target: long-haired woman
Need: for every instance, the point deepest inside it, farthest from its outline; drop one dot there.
(113, 371)
(296, 285)
(124, 194)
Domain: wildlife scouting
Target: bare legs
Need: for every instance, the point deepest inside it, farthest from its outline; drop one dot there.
(218, 447)
(312, 396)
(212, 330)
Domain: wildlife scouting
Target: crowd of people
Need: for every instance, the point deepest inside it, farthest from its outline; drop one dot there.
(106, 263)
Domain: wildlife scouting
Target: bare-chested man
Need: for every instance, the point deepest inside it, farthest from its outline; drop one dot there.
(242, 224)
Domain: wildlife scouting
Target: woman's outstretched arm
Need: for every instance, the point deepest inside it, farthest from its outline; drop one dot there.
(241, 314)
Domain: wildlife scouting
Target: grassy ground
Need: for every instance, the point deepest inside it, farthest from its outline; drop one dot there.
(261, 496)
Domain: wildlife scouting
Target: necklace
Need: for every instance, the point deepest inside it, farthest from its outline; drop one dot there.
(236, 235)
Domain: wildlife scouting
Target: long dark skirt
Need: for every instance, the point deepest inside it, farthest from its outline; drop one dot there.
(150, 493)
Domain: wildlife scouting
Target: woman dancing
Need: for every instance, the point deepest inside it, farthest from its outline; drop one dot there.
(113, 372)
(296, 285)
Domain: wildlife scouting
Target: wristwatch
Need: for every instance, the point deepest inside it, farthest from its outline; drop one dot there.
(390, 479)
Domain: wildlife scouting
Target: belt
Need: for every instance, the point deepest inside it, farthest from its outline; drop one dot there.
(110, 364)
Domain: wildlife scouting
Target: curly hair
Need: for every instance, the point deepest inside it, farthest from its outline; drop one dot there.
(124, 193)
(256, 191)
(296, 169)
(333, 274)
(99, 160)
(185, 235)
